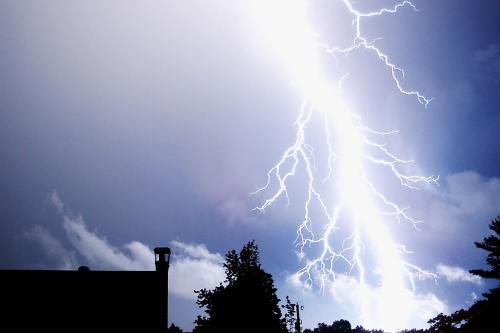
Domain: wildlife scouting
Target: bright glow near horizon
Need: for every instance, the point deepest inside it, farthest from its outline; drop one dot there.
(286, 26)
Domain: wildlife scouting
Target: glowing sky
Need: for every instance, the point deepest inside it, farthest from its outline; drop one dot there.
(125, 126)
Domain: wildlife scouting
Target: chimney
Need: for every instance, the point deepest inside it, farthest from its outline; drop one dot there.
(162, 261)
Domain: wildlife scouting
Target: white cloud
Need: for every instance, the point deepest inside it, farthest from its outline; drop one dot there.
(297, 282)
(54, 248)
(472, 298)
(56, 202)
(463, 209)
(235, 210)
(198, 251)
(100, 254)
(188, 273)
(193, 266)
(457, 274)
(469, 193)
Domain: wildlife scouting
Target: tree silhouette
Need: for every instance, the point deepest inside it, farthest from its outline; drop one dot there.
(492, 245)
(341, 326)
(174, 329)
(290, 319)
(482, 316)
(245, 302)
(445, 324)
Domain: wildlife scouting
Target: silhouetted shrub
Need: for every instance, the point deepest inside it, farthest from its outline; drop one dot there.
(245, 302)
(174, 329)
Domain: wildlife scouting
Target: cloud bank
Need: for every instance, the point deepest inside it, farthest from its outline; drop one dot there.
(463, 208)
(457, 274)
(192, 267)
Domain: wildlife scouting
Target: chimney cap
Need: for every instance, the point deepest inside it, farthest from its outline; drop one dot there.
(162, 250)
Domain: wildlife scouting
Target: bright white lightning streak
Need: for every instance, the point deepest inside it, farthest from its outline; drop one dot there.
(286, 24)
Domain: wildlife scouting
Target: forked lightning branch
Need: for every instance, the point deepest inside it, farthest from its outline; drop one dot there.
(351, 146)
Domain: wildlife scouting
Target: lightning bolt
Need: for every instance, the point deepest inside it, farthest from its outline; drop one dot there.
(351, 147)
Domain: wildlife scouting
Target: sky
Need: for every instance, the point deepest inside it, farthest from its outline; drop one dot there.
(130, 125)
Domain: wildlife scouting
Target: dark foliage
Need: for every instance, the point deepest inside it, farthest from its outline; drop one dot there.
(245, 302)
(174, 329)
(492, 245)
(446, 324)
(340, 326)
(484, 315)
(290, 319)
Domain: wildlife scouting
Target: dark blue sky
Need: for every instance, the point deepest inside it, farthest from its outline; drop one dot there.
(153, 121)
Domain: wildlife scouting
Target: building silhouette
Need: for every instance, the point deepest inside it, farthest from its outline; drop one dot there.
(86, 300)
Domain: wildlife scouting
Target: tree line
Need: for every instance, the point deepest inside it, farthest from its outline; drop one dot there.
(247, 301)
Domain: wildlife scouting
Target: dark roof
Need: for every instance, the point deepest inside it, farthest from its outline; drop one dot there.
(91, 300)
